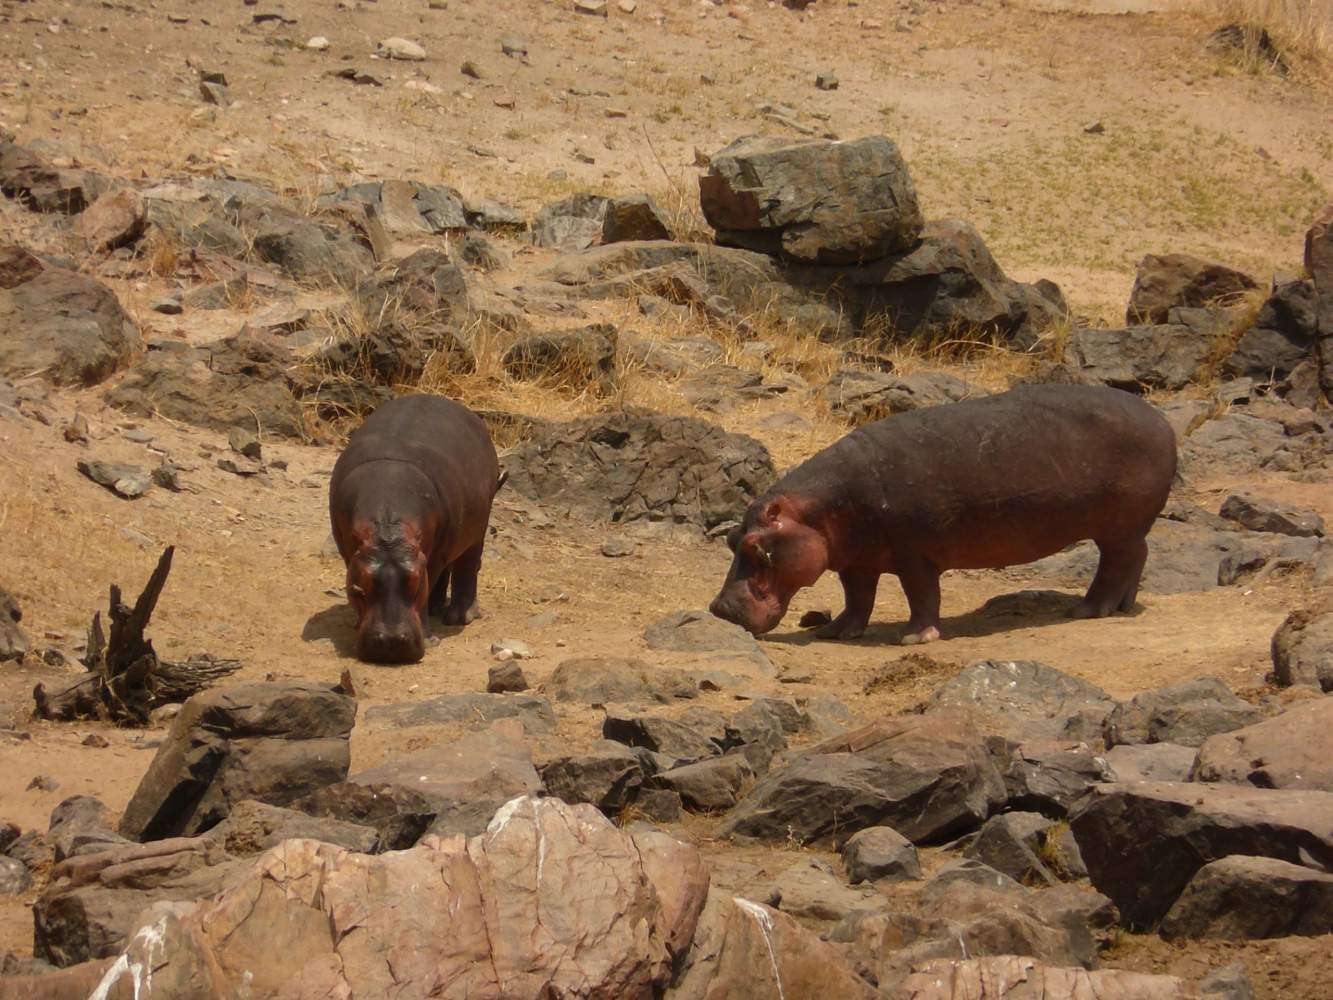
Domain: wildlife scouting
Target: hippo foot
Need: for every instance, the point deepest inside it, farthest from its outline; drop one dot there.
(461, 616)
(928, 634)
(839, 629)
(1084, 609)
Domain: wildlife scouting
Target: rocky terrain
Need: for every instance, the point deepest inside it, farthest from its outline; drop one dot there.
(667, 250)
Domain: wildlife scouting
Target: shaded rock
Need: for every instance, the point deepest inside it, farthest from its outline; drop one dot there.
(465, 782)
(880, 854)
(1138, 357)
(253, 827)
(1009, 844)
(609, 777)
(572, 359)
(14, 877)
(269, 742)
(1026, 700)
(1282, 337)
(113, 220)
(1238, 443)
(1260, 514)
(574, 223)
(93, 903)
(1186, 714)
(475, 709)
(1288, 751)
(924, 776)
(79, 825)
(810, 889)
(634, 217)
(710, 785)
(506, 678)
(1302, 648)
(59, 323)
(702, 632)
(43, 187)
(1178, 279)
(608, 680)
(407, 206)
(321, 250)
(1190, 825)
(1050, 776)
(669, 737)
(483, 213)
(811, 200)
(660, 805)
(626, 467)
(479, 252)
(862, 396)
(745, 949)
(759, 730)
(1238, 898)
(1011, 978)
(397, 813)
(552, 900)
(1151, 762)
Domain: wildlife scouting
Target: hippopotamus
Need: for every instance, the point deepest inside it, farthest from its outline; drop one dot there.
(410, 502)
(983, 483)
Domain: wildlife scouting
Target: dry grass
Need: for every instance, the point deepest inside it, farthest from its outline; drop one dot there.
(1244, 311)
(1300, 30)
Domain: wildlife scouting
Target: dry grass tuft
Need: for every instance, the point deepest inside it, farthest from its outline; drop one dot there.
(1299, 36)
(1244, 311)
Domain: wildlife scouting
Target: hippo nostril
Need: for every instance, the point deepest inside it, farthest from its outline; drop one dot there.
(391, 647)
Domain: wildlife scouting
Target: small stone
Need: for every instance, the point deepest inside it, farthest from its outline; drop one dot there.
(136, 434)
(245, 442)
(163, 714)
(215, 93)
(239, 465)
(77, 430)
(627, 6)
(511, 649)
(1094, 128)
(469, 68)
(828, 80)
(814, 619)
(43, 783)
(438, 4)
(167, 476)
(96, 740)
(616, 113)
(170, 305)
(317, 44)
(505, 101)
(128, 481)
(401, 48)
(617, 548)
(597, 8)
(513, 46)
(506, 678)
(358, 76)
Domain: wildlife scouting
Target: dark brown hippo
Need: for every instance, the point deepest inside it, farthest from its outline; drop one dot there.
(984, 483)
(410, 501)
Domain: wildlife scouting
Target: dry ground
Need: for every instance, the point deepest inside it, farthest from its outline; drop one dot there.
(988, 101)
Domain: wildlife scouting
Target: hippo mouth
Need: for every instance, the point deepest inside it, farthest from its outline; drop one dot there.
(405, 643)
(756, 617)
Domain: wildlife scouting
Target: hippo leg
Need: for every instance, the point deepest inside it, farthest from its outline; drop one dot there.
(1116, 583)
(921, 584)
(858, 587)
(462, 607)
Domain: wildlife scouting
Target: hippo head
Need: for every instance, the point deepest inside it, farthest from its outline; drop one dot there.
(388, 583)
(776, 554)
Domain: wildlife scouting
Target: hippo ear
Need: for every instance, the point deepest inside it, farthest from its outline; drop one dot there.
(772, 512)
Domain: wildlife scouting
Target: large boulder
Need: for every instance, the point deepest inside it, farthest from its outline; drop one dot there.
(269, 742)
(1138, 357)
(879, 853)
(60, 324)
(1165, 281)
(1244, 897)
(624, 467)
(924, 776)
(746, 949)
(550, 900)
(1282, 337)
(1185, 714)
(1187, 826)
(1288, 751)
(1025, 700)
(813, 201)
(1303, 648)
(1009, 977)
(464, 782)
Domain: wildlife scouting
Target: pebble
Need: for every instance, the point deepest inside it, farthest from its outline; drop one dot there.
(617, 548)
(170, 306)
(828, 80)
(511, 649)
(513, 46)
(401, 48)
(597, 8)
(96, 740)
(43, 783)
(317, 44)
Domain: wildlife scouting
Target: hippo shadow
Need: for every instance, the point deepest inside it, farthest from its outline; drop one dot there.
(337, 623)
(1003, 613)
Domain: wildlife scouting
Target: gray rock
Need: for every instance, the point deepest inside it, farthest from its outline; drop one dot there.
(465, 782)
(880, 854)
(128, 481)
(827, 80)
(812, 201)
(1186, 714)
(574, 223)
(1138, 357)
(479, 252)
(1230, 982)
(407, 207)
(1151, 762)
(1165, 281)
(79, 825)
(1288, 751)
(610, 777)
(1282, 337)
(711, 785)
(609, 680)
(401, 48)
(1188, 826)
(635, 217)
(1026, 700)
(702, 632)
(674, 739)
(572, 359)
(1050, 776)
(1319, 266)
(1238, 443)
(1009, 843)
(397, 814)
(1239, 898)
(1260, 514)
(1302, 648)
(475, 709)
(14, 877)
(324, 250)
(862, 396)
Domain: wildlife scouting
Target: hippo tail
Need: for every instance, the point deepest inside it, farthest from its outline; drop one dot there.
(504, 478)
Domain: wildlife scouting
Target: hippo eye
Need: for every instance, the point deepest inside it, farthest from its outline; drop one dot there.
(764, 556)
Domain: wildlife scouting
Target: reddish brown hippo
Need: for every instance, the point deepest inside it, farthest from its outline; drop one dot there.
(984, 483)
(410, 501)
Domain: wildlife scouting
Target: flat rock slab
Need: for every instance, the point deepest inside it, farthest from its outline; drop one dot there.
(551, 900)
(475, 708)
(1185, 714)
(1025, 700)
(1242, 897)
(924, 776)
(597, 680)
(466, 781)
(1289, 751)
(1151, 762)
(1187, 826)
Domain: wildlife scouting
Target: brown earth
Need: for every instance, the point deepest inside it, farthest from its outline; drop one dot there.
(988, 101)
